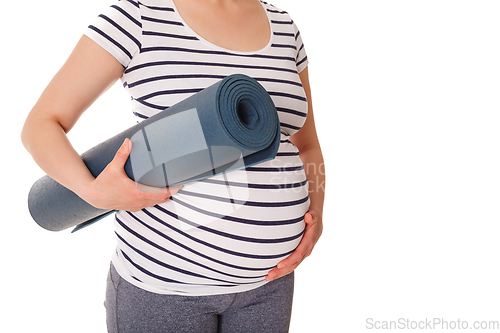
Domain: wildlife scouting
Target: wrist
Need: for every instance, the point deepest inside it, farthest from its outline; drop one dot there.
(83, 188)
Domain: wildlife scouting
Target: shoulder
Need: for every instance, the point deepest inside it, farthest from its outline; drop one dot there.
(128, 4)
(280, 17)
(275, 11)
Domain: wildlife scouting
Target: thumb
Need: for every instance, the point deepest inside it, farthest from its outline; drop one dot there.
(310, 217)
(122, 153)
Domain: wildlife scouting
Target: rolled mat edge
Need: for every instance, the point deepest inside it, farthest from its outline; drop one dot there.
(245, 126)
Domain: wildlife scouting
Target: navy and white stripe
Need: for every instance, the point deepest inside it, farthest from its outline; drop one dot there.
(222, 234)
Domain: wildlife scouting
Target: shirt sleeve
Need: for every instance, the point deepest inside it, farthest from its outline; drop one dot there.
(301, 56)
(118, 30)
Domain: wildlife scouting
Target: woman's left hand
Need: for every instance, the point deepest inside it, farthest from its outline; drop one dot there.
(314, 228)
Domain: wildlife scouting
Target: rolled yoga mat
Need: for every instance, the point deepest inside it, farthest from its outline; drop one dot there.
(228, 126)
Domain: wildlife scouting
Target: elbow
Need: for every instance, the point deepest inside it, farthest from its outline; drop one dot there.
(25, 136)
(35, 130)
(30, 132)
(311, 146)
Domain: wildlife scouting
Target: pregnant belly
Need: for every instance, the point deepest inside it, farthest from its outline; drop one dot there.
(228, 230)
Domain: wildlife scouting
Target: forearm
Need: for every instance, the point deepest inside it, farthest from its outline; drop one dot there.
(314, 168)
(49, 146)
(89, 71)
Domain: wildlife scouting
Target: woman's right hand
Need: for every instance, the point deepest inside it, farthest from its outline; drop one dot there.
(113, 189)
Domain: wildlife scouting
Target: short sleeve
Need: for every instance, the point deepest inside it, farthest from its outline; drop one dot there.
(118, 30)
(301, 56)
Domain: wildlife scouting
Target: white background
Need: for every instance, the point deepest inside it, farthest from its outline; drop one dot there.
(406, 100)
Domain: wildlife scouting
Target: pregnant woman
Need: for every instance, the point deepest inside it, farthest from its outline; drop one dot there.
(216, 255)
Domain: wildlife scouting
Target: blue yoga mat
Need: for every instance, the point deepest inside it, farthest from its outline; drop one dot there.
(228, 126)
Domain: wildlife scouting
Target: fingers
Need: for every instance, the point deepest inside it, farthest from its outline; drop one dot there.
(159, 194)
(150, 196)
(113, 189)
(152, 190)
(303, 250)
(311, 217)
(174, 189)
(290, 263)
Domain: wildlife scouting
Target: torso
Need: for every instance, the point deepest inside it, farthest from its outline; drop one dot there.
(252, 218)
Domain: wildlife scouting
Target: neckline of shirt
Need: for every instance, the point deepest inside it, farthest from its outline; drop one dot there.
(215, 46)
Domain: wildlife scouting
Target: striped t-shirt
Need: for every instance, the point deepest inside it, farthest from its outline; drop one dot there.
(222, 234)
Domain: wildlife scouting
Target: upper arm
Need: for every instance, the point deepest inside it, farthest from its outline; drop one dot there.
(88, 72)
(306, 138)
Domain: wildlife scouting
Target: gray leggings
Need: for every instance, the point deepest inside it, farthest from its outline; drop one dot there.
(266, 309)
